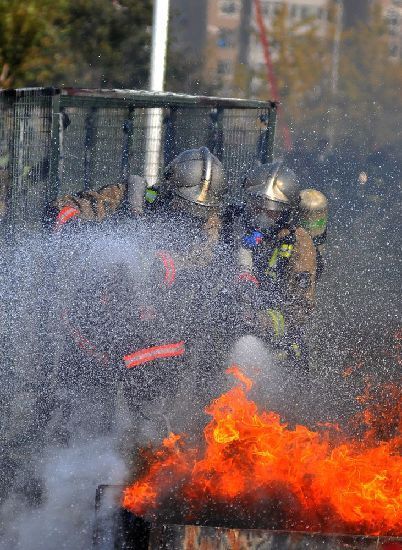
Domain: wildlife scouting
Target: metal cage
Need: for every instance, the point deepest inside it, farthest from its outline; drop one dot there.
(55, 142)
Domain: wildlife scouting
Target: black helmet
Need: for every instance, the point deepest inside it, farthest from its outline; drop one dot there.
(197, 176)
(275, 185)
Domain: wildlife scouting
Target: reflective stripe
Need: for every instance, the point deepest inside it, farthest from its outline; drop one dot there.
(170, 269)
(314, 224)
(83, 343)
(296, 350)
(64, 215)
(249, 277)
(286, 250)
(273, 259)
(278, 322)
(151, 354)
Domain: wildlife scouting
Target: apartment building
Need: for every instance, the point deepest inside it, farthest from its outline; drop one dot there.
(392, 10)
(232, 34)
(225, 32)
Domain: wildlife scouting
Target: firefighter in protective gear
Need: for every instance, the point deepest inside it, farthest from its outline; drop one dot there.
(153, 335)
(277, 259)
(313, 217)
(178, 335)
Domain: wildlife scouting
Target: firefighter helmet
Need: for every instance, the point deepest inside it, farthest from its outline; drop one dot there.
(313, 212)
(197, 176)
(274, 185)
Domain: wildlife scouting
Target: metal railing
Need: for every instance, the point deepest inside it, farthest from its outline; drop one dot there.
(55, 142)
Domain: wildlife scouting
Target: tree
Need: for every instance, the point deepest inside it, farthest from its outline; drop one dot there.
(370, 97)
(110, 41)
(364, 114)
(26, 32)
(75, 42)
(298, 53)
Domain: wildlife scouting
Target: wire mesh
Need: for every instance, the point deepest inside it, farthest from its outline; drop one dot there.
(6, 120)
(29, 157)
(54, 143)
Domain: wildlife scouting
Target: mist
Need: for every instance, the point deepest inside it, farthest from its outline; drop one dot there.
(52, 463)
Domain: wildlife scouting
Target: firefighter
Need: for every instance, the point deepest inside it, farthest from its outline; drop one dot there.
(154, 334)
(277, 261)
(176, 348)
(313, 217)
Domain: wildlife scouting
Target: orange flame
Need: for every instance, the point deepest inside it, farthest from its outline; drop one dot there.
(252, 459)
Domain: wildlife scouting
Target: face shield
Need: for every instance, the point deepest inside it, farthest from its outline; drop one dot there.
(265, 215)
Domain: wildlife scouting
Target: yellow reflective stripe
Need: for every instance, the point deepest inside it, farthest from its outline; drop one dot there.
(286, 250)
(296, 348)
(278, 322)
(274, 258)
(272, 314)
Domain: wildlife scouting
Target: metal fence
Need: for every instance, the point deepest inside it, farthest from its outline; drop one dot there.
(54, 142)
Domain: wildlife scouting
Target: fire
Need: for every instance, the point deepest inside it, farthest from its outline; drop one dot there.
(254, 466)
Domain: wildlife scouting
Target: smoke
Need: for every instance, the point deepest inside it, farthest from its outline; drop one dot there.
(69, 476)
(67, 423)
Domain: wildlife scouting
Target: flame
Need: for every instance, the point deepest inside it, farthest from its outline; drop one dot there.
(320, 480)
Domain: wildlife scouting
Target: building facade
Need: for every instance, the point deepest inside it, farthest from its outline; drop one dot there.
(224, 35)
(392, 10)
(233, 43)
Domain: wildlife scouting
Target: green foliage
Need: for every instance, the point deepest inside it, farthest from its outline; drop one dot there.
(25, 28)
(370, 91)
(110, 41)
(364, 112)
(75, 42)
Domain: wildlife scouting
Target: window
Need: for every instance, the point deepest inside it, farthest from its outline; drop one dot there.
(276, 7)
(266, 8)
(229, 7)
(294, 11)
(304, 12)
(394, 51)
(393, 23)
(226, 38)
(224, 67)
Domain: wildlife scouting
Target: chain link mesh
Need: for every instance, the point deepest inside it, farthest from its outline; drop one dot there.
(54, 143)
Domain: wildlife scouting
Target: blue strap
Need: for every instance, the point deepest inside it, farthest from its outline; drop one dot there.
(253, 239)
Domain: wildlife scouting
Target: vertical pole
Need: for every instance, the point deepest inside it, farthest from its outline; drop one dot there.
(89, 144)
(215, 138)
(128, 130)
(169, 150)
(265, 152)
(156, 84)
(55, 151)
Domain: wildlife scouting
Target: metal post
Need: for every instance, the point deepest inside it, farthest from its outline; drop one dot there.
(89, 144)
(215, 138)
(266, 152)
(56, 143)
(169, 150)
(128, 129)
(157, 79)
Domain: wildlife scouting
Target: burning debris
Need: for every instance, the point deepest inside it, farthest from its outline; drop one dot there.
(254, 471)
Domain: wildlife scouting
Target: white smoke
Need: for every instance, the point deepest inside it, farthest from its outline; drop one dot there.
(70, 477)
